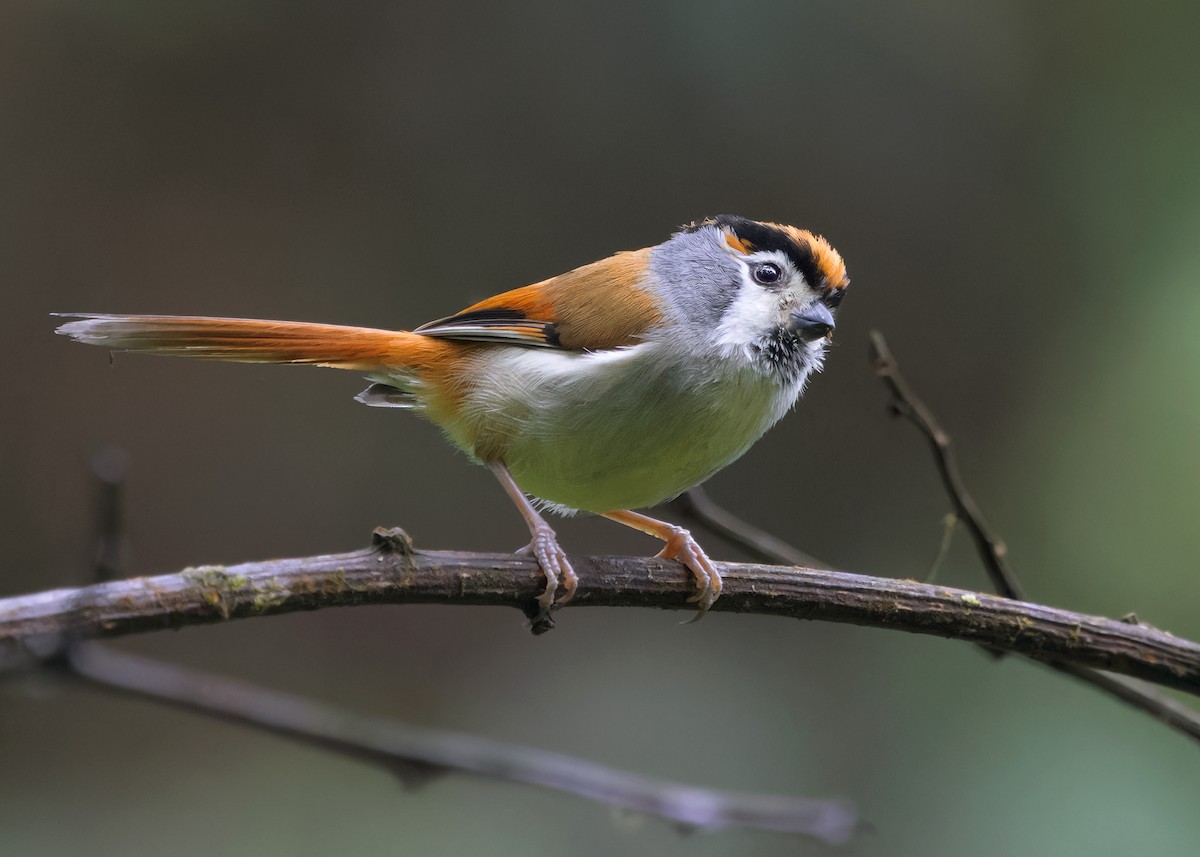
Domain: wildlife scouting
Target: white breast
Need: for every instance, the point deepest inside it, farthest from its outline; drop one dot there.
(618, 429)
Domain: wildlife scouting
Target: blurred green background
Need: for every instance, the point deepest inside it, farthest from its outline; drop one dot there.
(1016, 189)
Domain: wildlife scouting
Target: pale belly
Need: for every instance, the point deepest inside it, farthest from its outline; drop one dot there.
(621, 430)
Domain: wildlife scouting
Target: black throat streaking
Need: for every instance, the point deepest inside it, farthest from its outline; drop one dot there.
(785, 355)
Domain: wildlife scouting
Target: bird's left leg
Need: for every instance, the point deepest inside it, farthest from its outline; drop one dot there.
(544, 547)
(682, 547)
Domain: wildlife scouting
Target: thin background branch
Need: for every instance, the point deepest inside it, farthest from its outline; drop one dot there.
(697, 506)
(418, 755)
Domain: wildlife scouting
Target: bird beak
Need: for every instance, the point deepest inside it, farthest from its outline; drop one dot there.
(813, 322)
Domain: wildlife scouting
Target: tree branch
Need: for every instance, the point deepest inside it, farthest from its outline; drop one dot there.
(418, 755)
(393, 573)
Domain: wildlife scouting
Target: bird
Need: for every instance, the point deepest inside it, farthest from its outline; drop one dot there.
(610, 388)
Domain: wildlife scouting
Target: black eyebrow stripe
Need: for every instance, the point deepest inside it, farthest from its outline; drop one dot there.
(762, 237)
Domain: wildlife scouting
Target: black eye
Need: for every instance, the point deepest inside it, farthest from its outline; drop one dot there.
(833, 298)
(767, 273)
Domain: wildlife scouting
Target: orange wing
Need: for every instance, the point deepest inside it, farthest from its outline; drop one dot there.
(599, 306)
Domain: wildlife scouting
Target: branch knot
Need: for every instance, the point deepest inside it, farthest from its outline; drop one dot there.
(393, 540)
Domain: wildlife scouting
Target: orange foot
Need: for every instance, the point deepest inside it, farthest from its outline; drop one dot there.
(682, 547)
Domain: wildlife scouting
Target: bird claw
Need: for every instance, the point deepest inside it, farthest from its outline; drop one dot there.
(553, 561)
(682, 547)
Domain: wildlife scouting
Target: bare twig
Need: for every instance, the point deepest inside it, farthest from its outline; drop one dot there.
(394, 573)
(992, 551)
(696, 505)
(416, 755)
(1172, 713)
(906, 404)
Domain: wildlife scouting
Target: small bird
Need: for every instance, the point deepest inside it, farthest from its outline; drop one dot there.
(612, 387)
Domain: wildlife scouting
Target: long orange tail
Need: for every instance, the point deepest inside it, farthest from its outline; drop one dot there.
(243, 340)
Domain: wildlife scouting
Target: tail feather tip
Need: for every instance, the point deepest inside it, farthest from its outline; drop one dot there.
(85, 327)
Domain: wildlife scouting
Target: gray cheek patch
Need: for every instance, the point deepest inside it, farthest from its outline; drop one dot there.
(700, 279)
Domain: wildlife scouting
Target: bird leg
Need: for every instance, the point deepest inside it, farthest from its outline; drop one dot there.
(682, 547)
(544, 547)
